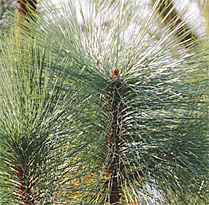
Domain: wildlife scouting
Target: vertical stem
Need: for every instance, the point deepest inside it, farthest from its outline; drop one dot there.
(26, 11)
(22, 177)
(114, 141)
(171, 16)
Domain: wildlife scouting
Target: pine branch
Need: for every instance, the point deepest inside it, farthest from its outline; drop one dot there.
(172, 19)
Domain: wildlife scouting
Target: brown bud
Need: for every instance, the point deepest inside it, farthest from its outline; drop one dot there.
(115, 74)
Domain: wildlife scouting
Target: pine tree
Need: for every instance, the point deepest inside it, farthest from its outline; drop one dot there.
(110, 111)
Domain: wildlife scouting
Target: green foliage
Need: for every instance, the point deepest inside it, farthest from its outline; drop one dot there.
(72, 132)
(6, 6)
